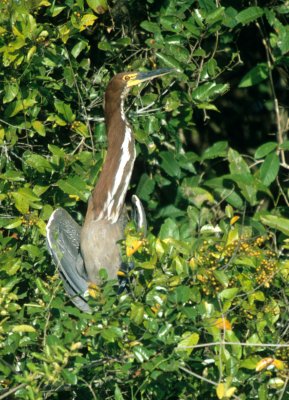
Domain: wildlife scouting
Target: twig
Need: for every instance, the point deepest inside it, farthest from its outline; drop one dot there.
(212, 344)
(49, 313)
(16, 126)
(11, 391)
(89, 387)
(82, 103)
(284, 388)
(275, 100)
(198, 376)
(204, 379)
(282, 192)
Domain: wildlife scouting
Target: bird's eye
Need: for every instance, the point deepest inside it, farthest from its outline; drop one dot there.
(126, 77)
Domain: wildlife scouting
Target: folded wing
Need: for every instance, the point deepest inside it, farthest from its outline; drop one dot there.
(63, 242)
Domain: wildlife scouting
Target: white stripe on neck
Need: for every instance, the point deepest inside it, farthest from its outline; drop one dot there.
(120, 180)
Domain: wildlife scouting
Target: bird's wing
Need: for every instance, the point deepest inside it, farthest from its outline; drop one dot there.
(139, 215)
(63, 242)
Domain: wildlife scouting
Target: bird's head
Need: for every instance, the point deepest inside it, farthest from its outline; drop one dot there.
(125, 80)
(135, 78)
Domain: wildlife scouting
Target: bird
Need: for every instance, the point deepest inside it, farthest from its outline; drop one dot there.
(80, 252)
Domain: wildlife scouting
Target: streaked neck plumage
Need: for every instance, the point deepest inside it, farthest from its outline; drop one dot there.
(109, 193)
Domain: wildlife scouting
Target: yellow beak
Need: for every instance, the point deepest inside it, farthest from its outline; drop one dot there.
(138, 77)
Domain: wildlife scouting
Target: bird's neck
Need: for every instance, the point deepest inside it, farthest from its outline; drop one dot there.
(109, 193)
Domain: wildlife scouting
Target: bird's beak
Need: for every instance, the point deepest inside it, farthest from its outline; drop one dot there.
(139, 77)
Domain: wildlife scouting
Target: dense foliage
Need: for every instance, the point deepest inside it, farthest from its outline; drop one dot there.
(207, 312)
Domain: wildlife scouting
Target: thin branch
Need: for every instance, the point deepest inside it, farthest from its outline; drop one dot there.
(49, 313)
(269, 56)
(89, 387)
(204, 379)
(11, 391)
(16, 126)
(282, 191)
(284, 388)
(82, 103)
(198, 376)
(221, 343)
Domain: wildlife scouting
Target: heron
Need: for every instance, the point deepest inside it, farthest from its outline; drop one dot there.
(80, 252)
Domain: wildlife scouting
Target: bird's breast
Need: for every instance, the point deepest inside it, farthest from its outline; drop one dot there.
(99, 247)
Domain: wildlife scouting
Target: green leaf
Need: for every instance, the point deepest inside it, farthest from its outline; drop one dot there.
(265, 149)
(19, 105)
(13, 266)
(25, 198)
(64, 110)
(284, 145)
(228, 294)
(237, 164)
(74, 186)
(77, 49)
(39, 127)
(249, 14)
(221, 277)
(64, 32)
(150, 26)
(10, 91)
(174, 39)
(111, 334)
(169, 229)
(87, 20)
(276, 383)
(137, 313)
(248, 185)
(236, 348)
(98, 6)
(169, 164)
(196, 195)
(117, 393)
(56, 151)
(69, 377)
(57, 10)
(37, 162)
(80, 128)
(141, 353)
(23, 328)
(179, 52)
(33, 251)
(124, 41)
(145, 187)
(284, 41)
(275, 222)
(231, 197)
(269, 169)
(215, 16)
(207, 106)
(263, 390)
(193, 28)
(209, 91)
(218, 149)
(171, 23)
(255, 75)
(250, 362)
(14, 223)
(181, 294)
(21, 203)
(188, 342)
(169, 61)
(105, 46)
(12, 176)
